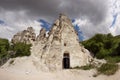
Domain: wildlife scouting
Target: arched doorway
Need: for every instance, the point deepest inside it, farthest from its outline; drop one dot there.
(66, 61)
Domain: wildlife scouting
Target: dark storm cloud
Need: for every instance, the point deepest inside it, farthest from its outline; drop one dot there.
(94, 10)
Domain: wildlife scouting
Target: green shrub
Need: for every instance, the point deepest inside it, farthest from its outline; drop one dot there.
(115, 59)
(103, 53)
(4, 43)
(4, 47)
(87, 67)
(21, 49)
(108, 69)
(103, 45)
(77, 67)
(9, 51)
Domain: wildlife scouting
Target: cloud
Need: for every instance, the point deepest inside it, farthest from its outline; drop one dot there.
(94, 10)
(8, 31)
(1, 22)
(115, 29)
(115, 17)
(14, 23)
(88, 29)
(91, 15)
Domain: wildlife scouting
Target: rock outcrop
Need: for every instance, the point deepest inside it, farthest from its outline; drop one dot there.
(42, 35)
(61, 49)
(27, 36)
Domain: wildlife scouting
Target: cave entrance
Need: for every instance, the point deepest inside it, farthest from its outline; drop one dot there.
(66, 61)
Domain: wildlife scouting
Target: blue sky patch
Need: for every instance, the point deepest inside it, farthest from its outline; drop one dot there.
(77, 28)
(80, 34)
(114, 20)
(45, 24)
(1, 22)
(73, 20)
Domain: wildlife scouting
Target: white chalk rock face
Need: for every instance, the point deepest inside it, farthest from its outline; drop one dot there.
(27, 36)
(61, 49)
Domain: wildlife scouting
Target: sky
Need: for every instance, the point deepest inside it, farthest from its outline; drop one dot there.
(92, 16)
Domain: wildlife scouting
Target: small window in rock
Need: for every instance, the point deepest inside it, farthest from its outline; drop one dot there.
(26, 36)
(45, 47)
(64, 44)
(33, 39)
(44, 35)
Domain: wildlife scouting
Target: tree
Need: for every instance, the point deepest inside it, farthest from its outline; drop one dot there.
(21, 49)
(117, 51)
(4, 47)
(102, 45)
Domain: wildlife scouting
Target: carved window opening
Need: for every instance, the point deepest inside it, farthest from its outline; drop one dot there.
(33, 39)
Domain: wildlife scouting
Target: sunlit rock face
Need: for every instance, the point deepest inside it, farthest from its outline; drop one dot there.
(61, 49)
(26, 36)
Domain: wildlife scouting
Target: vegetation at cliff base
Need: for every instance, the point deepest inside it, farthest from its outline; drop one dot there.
(21, 49)
(4, 47)
(105, 46)
(108, 68)
(86, 67)
(11, 51)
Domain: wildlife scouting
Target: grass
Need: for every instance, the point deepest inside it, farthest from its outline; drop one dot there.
(108, 68)
(87, 67)
(113, 59)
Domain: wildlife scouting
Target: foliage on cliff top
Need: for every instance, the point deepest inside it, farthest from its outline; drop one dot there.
(103, 46)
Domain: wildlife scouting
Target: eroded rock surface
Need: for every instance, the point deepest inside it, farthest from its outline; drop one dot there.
(62, 43)
(26, 36)
(60, 49)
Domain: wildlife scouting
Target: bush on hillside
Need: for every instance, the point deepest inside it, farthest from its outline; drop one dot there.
(108, 68)
(103, 45)
(9, 51)
(21, 49)
(115, 59)
(4, 47)
(86, 67)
